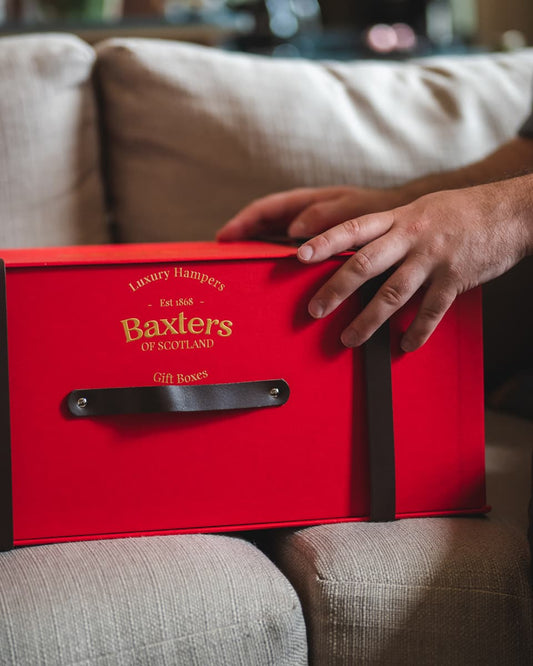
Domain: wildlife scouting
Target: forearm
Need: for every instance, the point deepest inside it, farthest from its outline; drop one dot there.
(305, 212)
(513, 158)
(518, 200)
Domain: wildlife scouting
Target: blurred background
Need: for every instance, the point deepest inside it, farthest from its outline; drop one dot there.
(340, 29)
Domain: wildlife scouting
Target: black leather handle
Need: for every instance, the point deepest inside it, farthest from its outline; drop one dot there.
(171, 398)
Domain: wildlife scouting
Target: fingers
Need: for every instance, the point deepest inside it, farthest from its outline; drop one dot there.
(349, 234)
(435, 304)
(372, 260)
(383, 247)
(323, 215)
(390, 297)
(272, 214)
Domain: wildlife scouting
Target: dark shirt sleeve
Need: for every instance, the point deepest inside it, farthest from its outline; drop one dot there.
(527, 128)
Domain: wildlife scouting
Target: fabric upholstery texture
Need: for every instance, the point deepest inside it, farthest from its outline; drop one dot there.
(430, 592)
(192, 133)
(194, 600)
(50, 184)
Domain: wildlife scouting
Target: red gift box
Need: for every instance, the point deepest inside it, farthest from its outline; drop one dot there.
(168, 388)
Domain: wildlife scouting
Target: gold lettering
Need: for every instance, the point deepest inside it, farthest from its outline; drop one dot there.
(196, 325)
(209, 324)
(225, 328)
(181, 323)
(134, 329)
(131, 325)
(169, 327)
(151, 329)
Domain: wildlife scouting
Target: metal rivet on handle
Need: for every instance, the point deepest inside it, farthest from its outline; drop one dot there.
(274, 392)
(82, 402)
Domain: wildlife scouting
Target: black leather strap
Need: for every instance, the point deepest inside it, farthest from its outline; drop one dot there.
(377, 360)
(6, 494)
(171, 398)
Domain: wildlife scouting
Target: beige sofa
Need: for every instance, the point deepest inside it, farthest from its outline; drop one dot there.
(152, 141)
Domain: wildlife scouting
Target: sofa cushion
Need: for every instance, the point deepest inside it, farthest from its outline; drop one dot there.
(50, 184)
(201, 599)
(426, 591)
(195, 133)
(433, 591)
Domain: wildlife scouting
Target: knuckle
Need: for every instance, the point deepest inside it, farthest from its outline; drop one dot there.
(431, 312)
(417, 227)
(454, 275)
(322, 243)
(436, 247)
(435, 306)
(393, 294)
(331, 294)
(360, 263)
(351, 227)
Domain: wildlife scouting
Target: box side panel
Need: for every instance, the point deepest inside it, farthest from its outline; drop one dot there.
(6, 498)
(200, 323)
(180, 323)
(438, 413)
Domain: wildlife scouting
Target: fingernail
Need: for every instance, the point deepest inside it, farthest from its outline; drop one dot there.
(350, 339)
(316, 309)
(407, 345)
(305, 252)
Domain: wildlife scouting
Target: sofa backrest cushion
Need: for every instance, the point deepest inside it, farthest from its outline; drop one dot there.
(50, 185)
(194, 133)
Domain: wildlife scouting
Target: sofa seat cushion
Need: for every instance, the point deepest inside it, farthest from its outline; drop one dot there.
(50, 184)
(200, 599)
(433, 591)
(194, 133)
(430, 591)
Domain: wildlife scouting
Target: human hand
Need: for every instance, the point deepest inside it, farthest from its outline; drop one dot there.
(305, 212)
(447, 241)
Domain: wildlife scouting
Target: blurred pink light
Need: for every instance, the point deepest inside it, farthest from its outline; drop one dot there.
(405, 35)
(382, 38)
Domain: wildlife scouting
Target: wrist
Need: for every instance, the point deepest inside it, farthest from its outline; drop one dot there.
(412, 190)
(517, 193)
(528, 216)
